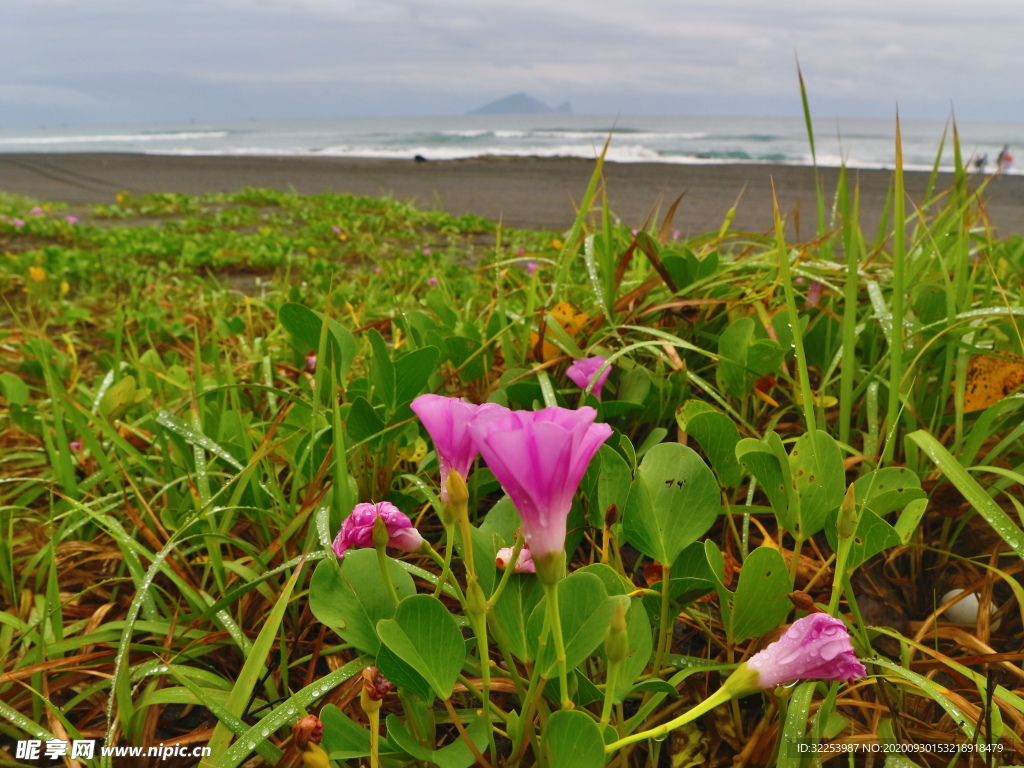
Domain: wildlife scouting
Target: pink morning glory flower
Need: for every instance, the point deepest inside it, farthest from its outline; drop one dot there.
(37, 211)
(426, 251)
(582, 374)
(18, 222)
(335, 229)
(378, 270)
(531, 267)
(447, 421)
(815, 647)
(72, 219)
(524, 563)
(431, 281)
(357, 530)
(539, 458)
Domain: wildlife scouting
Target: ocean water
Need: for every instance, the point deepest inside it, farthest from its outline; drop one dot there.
(634, 138)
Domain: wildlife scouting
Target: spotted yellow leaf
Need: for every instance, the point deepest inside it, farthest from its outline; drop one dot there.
(990, 379)
(571, 323)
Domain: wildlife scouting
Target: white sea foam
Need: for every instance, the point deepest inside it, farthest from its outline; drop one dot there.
(676, 139)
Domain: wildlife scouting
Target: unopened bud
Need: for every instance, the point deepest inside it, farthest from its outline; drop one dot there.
(458, 491)
(381, 536)
(616, 642)
(846, 524)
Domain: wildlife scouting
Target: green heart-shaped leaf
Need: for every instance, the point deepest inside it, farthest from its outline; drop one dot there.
(573, 740)
(426, 636)
(351, 597)
(673, 502)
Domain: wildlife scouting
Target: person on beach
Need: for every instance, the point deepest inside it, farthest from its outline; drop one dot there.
(980, 162)
(1005, 159)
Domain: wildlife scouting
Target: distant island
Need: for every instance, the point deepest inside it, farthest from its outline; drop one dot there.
(521, 104)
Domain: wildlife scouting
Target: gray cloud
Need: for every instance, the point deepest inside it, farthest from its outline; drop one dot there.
(124, 61)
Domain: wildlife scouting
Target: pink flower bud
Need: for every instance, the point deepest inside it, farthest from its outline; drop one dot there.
(357, 530)
(431, 281)
(524, 563)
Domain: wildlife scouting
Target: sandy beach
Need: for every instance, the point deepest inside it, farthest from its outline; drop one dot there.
(521, 192)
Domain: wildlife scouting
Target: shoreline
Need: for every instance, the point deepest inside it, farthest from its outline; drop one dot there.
(523, 192)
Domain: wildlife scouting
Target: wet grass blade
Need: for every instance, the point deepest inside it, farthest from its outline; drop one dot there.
(971, 489)
(255, 661)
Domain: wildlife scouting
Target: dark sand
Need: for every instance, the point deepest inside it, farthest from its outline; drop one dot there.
(522, 192)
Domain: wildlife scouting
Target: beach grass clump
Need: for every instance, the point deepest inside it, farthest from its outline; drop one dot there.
(242, 506)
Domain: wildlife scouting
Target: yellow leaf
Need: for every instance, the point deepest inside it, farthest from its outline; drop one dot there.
(415, 452)
(990, 379)
(825, 402)
(571, 323)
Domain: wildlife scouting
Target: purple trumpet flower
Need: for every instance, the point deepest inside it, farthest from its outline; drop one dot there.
(539, 457)
(815, 647)
(582, 374)
(447, 420)
(357, 530)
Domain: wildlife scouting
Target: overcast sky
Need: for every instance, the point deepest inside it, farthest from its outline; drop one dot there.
(82, 62)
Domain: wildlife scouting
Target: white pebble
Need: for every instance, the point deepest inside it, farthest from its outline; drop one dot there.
(965, 611)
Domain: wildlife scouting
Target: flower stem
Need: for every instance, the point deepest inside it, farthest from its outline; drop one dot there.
(446, 570)
(534, 688)
(665, 630)
(499, 638)
(374, 717)
(509, 570)
(611, 682)
(551, 591)
(476, 608)
(721, 696)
